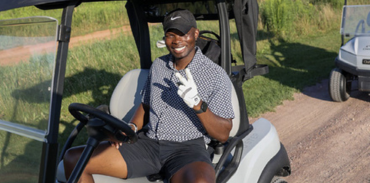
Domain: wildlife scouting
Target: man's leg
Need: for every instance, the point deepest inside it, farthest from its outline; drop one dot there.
(196, 172)
(106, 160)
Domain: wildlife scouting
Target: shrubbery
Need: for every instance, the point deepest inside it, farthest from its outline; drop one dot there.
(334, 3)
(290, 18)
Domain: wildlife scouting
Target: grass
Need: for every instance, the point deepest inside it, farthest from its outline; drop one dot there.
(20, 158)
(21, 107)
(296, 58)
(87, 17)
(292, 66)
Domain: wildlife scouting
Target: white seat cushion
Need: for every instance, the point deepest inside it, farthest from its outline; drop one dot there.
(126, 96)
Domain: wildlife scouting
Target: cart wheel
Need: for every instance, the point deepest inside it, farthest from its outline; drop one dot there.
(278, 180)
(338, 86)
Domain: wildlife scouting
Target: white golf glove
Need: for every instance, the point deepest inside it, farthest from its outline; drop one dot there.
(187, 89)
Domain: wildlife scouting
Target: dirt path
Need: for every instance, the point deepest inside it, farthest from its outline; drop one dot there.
(326, 141)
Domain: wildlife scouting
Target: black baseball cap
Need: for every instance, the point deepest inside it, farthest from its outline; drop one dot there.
(180, 19)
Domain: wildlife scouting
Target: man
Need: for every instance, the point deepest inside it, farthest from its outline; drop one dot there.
(185, 101)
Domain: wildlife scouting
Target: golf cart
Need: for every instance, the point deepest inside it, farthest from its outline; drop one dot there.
(253, 152)
(353, 61)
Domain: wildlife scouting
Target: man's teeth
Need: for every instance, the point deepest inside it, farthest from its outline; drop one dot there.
(180, 49)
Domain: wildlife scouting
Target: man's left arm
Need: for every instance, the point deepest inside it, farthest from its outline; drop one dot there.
(216, 126)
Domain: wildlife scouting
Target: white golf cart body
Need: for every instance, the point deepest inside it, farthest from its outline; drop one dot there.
(353, 61)
(356, 52)
(253, 152)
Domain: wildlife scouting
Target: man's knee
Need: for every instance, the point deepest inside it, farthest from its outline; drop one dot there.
(202, 179)
(70, 159)
(197, 172)
(194, 178)
(71, 156)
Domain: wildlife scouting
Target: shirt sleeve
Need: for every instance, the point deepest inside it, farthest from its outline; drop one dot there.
(220, 101)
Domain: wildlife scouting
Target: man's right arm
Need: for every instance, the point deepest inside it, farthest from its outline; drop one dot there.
(141, 116)
(140, 119)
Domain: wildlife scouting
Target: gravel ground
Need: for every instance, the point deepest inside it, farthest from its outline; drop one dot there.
(326, 141)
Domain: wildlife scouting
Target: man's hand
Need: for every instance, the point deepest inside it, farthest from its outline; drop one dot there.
(115, 144)
(187, 89)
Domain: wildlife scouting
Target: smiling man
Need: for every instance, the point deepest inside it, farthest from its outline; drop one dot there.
(186, 101)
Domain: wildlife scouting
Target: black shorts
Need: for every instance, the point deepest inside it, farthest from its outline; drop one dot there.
(148, 156)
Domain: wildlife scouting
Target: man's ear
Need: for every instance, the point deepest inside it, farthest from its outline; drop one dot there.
(196, 34)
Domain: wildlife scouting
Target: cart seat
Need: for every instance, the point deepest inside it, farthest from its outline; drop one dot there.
(126, 96)
(124, 101)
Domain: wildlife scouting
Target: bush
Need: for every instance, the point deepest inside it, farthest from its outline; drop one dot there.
(338, 4)
(281, 16)
(289, 19)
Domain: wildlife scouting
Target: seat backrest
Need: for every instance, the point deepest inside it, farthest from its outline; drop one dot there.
(236, 108)
(126, 97)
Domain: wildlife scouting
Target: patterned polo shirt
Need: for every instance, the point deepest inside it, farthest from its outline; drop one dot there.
(170, 118)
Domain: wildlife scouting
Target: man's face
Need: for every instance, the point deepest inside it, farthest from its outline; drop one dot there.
(181, 45)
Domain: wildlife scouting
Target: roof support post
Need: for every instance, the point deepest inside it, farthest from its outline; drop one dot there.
(49, 156)
(225, 36)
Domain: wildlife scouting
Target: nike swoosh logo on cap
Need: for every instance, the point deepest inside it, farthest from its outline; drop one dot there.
(174, 18)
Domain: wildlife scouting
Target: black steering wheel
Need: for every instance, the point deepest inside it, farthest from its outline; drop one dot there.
(112, 124)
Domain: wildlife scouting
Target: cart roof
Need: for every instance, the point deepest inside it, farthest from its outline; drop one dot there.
(43, 4)
(7, 5)
(200, 11)
(53, 4)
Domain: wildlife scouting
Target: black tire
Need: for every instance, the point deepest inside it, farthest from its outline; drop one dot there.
(339, 88)
(278, 180)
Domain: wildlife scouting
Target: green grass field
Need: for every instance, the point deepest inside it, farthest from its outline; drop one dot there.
(295, 61)
(293, 65)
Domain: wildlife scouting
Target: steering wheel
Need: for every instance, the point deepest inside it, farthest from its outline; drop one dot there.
(112, 124)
